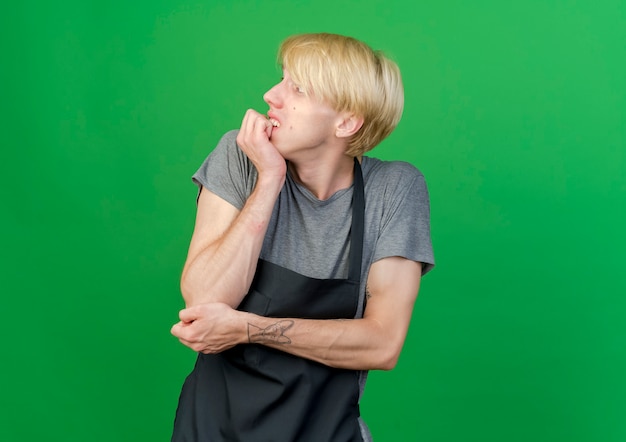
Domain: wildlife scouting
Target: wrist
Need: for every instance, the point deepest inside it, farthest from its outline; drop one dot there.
(268, 331)
(270, 183)
(248, 320)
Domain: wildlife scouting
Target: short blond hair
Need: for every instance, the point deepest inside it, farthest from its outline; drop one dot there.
(349, 76)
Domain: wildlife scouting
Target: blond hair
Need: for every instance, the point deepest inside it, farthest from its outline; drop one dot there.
(349, 76)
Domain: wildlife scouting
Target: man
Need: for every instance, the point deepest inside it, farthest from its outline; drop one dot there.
(306, 256)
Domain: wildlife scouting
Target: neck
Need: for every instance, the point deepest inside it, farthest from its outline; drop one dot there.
(324, 178)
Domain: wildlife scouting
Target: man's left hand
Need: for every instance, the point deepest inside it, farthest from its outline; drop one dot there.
(210, 328)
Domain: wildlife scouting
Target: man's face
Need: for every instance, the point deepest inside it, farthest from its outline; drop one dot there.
(301, 122)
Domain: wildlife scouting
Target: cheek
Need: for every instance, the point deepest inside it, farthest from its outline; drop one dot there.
(290, 126)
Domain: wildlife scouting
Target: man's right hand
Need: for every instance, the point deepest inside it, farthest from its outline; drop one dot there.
(254, 140)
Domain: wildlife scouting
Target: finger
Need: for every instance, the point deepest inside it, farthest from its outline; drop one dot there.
(181, 329)
(265, 126)
(256, 125)
(188, 315)
(262, 120)
(189, 344)
(184, 337)
(262, 129)
(249, 122)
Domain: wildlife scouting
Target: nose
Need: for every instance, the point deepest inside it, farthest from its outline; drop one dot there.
(272, 97)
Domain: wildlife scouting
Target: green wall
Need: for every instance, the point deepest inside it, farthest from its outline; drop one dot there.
(514, 112)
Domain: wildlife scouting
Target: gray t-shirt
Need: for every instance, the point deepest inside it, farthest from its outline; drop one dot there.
(312, 237)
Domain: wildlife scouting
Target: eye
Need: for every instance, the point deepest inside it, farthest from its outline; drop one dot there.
(299, 89)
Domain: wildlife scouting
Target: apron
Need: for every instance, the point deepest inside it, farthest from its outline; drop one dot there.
(253, 393)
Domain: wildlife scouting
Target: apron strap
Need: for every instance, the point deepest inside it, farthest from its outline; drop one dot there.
(358, 224)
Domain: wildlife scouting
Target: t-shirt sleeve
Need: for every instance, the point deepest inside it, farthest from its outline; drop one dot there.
(227, 172)
(405, 227)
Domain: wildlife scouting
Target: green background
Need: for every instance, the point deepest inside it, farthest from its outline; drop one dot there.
(515, 112)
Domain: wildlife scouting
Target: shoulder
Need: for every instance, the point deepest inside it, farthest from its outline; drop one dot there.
(228, 153)
(227, 171)
(231, 135)
(399, 175)
(229, 141)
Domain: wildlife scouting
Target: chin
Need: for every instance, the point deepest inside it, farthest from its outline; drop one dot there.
(285, 152)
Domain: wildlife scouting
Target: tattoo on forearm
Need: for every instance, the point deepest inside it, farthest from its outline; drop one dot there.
(368, 294)
(272, 334)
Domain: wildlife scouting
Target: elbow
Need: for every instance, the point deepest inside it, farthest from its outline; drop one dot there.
(187, 291)
(193, 289)
(388, 362)
(386, 348)
(387, 357)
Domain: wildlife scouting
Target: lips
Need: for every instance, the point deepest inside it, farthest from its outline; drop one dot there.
(272, 119)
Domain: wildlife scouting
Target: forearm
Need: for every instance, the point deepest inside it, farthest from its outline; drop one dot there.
(223, 270)
(373, 342)
(357, 344)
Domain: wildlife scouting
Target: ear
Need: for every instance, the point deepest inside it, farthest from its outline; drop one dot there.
(349, 124)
